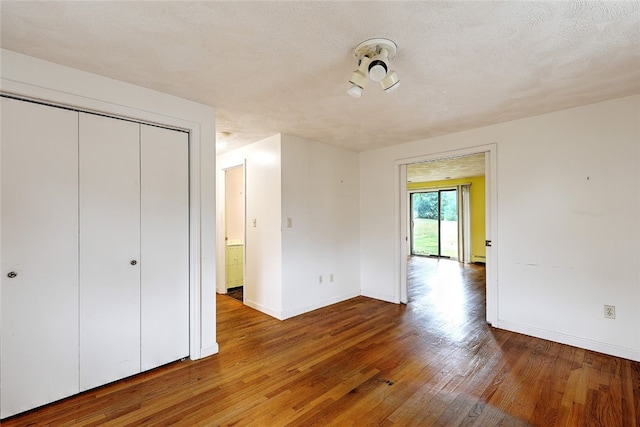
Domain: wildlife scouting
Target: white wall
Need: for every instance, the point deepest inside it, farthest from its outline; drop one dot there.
(263, 243)
(568, 222)
(316, 185)
(320, 186)
(33, 78)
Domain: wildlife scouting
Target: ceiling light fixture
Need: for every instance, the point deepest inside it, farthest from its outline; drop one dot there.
(373, 62)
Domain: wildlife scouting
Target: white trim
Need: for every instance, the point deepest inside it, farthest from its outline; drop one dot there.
(244, 223)
(209, 351)
(380, 296)
(221, 247)
(50, 96)
(400, 252)
(263, 309)
(405, 220)
(34, 79)
(221, 192)
(195, 253)
(491, 233)
(301, 310)
(601, 347)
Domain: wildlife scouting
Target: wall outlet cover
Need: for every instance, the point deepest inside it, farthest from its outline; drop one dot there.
(610, 311)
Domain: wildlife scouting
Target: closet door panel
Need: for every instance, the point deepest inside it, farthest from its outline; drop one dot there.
(165, 246)
(109, 250)
(39, 248)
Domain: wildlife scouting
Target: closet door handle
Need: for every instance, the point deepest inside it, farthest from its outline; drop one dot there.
(12, 274)
(133, 262)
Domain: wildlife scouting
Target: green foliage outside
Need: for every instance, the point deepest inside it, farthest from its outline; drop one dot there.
(425, 220)
(425, 237)
(425, 205)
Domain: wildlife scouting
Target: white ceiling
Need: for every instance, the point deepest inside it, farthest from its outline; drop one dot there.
(282, 67)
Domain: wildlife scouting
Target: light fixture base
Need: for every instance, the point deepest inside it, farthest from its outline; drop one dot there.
(371, 47)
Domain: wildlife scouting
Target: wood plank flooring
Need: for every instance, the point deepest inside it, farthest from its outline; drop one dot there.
(433, 362)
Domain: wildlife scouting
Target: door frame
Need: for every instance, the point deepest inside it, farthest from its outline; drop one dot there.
(221, 220)
(223, 287)
(401, 213)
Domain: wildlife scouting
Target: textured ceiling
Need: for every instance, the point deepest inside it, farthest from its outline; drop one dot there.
(440, 170)
(270, 67)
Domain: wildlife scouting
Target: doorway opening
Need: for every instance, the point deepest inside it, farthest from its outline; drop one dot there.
(434, 223)
(446, 202)
(234, 232)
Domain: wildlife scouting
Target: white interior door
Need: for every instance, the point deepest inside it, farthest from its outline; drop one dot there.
(109, 249)
(165, 245)
(39, 348)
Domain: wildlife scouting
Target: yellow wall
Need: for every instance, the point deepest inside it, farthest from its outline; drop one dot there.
(477, 208)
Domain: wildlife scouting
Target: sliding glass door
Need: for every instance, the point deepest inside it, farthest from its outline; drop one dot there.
(434, 223)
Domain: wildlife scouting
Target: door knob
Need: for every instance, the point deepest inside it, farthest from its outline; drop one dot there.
(12, 274)
(134, 262)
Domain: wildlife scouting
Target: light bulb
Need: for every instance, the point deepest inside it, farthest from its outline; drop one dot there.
(355, 91)
(378, 71)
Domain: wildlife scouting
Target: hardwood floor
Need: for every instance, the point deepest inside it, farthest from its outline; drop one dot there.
(366, 362)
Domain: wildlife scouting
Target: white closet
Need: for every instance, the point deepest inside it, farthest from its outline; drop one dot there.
(39, 348)
(164, 254)
(109, 244)
(95, 251)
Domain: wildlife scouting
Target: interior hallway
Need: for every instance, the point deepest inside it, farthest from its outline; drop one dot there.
(366, 362)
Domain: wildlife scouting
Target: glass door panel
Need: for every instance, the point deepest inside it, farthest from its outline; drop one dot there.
(434, 223)
(424, 223)
(448, 223)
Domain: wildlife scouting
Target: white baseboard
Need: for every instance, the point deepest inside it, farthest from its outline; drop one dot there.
(301, 310)
(600, 347)
(208, 351)
(383, 297)
(263, 309)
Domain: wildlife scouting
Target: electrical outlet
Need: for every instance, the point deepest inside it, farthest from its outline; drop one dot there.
(610, 311)
(320, 279)
(289, 222)
(331, 278)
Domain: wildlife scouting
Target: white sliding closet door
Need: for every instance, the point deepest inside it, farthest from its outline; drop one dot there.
(39, 348)
(165, 245)
(109, 249)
